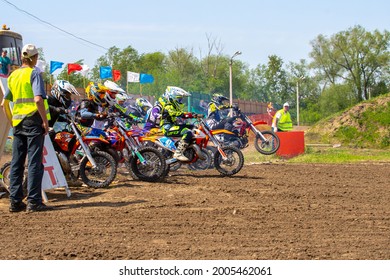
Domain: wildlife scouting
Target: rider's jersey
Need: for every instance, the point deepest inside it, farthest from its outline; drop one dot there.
(214, 115)
(153, 117)
(86, 112)
(170, 114)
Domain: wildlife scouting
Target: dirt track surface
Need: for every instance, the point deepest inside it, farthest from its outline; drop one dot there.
(266, 211)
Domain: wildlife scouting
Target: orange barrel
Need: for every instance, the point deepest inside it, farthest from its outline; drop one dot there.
(292, 143)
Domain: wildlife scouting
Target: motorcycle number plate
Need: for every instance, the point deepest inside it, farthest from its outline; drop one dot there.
(168, 142)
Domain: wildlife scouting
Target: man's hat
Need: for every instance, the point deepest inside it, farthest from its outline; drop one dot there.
(29, 51)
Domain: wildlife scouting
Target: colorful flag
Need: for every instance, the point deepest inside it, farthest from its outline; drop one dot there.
(41, 65)
(85, 70)
(132, 77)
(146, 78)
(74, 67)
(54, 65)
(116, 74)
(105, 72)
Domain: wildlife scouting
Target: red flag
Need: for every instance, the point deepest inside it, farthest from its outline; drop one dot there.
(116, 74)
(74, 67)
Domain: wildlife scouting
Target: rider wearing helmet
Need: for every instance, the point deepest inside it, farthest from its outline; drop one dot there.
(88, 110)
(143, 106)
(153, 118)
(214, 119)
(60, 100)
(171, 111)
(115, 97)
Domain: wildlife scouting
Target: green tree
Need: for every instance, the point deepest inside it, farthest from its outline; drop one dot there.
(336, 98)
(182, 68)
(276, 81)
(257, 83)
(154, 64)
(355, 56)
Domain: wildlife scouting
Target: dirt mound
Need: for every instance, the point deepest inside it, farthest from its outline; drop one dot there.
(365, 124)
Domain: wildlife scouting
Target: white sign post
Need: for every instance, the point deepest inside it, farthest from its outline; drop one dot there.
(53, 176)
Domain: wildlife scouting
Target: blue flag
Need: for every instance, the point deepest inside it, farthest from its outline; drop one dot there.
(146, 78)
(105, 72)
(54, 65)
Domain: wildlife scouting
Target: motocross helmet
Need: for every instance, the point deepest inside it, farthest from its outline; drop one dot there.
(175, 95)
(219, 99)
(143, 104)
(120, 98)
(62, 90)
(96, 92)
(113, 90)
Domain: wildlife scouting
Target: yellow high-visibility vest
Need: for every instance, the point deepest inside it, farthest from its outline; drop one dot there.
(19, 83)
(285, 122)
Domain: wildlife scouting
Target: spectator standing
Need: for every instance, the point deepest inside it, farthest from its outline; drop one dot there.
(5, 64)
(282, 119)
(29, 118)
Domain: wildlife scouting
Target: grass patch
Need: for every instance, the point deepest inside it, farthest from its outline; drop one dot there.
(324, 155)
(342, 155)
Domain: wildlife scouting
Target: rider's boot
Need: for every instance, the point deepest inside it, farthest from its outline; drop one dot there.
(180, 150)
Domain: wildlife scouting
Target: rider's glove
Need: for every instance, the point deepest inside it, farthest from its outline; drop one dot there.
(235, 106)
(101, 116)
(275, 129)
(187, 115)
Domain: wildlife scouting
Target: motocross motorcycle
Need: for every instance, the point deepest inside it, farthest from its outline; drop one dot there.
(266, 142)
(144, 162)
(228, 160)
(96, 168)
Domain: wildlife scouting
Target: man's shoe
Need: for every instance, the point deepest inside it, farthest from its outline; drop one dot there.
(32, 207)
(17, 206)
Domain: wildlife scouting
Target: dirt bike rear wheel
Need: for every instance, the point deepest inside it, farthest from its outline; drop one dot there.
(202, 164)
(155, 168)
(233, 164)
(270, 146)
(103, 174)
(5, 171)
(212, 150)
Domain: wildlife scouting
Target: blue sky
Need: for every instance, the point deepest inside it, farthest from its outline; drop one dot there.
(257, 28)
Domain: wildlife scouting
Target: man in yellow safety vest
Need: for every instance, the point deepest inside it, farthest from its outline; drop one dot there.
(282, 119)
(29, 118)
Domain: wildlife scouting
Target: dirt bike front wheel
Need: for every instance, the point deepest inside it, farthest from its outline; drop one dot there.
(270, 145)
(103, 174)
(233, 162)
(154, 167)
(5, 171)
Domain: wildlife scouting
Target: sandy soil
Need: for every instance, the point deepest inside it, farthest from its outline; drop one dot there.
(266, 211)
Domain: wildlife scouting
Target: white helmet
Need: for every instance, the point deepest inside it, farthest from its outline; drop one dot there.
(175, 95)
(121, 97)
(113, 91)
(143, 104)
(113, 86)
(61, 89)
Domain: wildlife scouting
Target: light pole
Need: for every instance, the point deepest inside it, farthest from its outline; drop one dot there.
(231, 78)
(299, 79)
